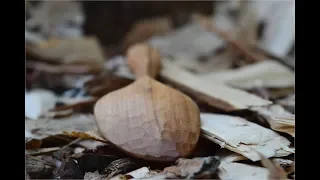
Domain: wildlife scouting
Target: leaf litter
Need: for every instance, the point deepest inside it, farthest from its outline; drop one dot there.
(220, 61)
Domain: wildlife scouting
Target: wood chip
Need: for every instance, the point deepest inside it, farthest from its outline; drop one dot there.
(266, 74)
(243, 137)
(240, 171)
(43, 128)
(278, 118)
(217, 95)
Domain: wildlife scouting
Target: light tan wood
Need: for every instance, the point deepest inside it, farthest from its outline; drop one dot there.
(144, 60)
(147, 118)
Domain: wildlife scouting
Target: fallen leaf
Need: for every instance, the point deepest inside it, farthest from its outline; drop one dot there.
(90, 144)
(193, 168)
(38, 102)
(92, 134)
(266, 74)
(217, 95)
(80, 51)
(278, 118)
(140, 173)
(243, 137)
(43, 128)
(33, 143)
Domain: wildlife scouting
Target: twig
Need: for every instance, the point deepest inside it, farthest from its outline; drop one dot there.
(236, 44)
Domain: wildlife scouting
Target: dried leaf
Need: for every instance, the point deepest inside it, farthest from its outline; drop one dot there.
(43, 128)
(243, 137)
(81, 51)
(141, 173)
(32, 143)
(193, 168)
(38, 102)
(278, 118)
(240, 171)
(266, 74)
(92, 134)
(216, 95)
(90, 144)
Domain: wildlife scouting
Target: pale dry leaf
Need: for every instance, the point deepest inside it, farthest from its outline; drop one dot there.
(278, 118)
(238, 171)
(265, 74)
(243, 137)
(91, 135)
(79, 51)
(216, 94)
(46, 127)
(38, 102)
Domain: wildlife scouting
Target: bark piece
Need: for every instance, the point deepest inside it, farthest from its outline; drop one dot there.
(217, 95)
(265, 74)
(278, 118)
(243, 137)
(193, 168)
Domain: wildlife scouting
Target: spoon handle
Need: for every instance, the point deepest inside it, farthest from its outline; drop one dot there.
(144, 59)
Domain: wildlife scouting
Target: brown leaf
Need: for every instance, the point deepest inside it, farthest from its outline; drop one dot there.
(32, 143)
(93, 135)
